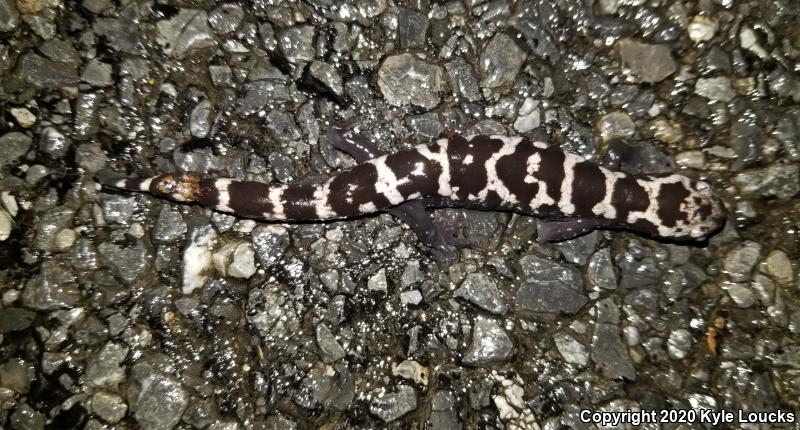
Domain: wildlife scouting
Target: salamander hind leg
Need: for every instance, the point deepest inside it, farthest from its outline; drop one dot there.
(437, 235)
(559, 230)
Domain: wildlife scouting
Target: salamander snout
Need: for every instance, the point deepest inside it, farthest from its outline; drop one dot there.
(706, 211)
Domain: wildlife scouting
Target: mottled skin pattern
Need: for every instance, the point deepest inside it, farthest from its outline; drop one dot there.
(484, 172)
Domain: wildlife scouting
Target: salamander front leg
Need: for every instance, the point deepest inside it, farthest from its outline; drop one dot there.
(344, 137)
(436, 236)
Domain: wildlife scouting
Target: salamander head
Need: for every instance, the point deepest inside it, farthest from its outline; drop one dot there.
(688, 209)
(706, 211)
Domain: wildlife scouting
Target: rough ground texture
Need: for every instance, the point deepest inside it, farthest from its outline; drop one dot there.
(121, 310)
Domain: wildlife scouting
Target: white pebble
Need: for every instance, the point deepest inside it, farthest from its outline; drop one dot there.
(749, 41)
(692, 159)
(5, 225)
(10, 203)
(702, 29)
(24, 117)
(65, 238)
(197, 258)
(377, 282)
(243, 265)
(413, 297)
(529, 116)
(778, 266)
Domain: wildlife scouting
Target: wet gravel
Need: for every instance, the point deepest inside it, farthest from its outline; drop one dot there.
(125, 311)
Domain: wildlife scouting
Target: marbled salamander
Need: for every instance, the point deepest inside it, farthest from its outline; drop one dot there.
(485, 172)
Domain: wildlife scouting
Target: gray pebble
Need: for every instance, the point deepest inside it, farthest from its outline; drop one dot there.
(335, 314)
(776, 180)
(118, 33)
(226, 18)
(328, 345)
(741, 295)
(9, 17)
(279, 422)
(413, 297)
(42, 25)
(616, 125)
(156, 401)
(282, 126)
(271, 312)
(787, 131)
(571, 349)
(103, 370)
(127, 263)
(49, 224)
(44, 73)
(651, 63)
(490, 344)
(548, 286)
(15, 145)
(579, 249)
(739, 262)
(169, 226)
(443, 412)
(480, 290)
(745, 139)
(15, 319)
(392, 405)
(282, 166)
(412, 28)
(97, 74)
(270, 241)
(117, 208)
(96, 6)
(600, 272)
(679, 344)
(36, 173)
(500, 61)
(199, 119)
(90, 157)
(607, 311)
(609, 353)
(779, 267)
(406, 80)
(53, 287)
(297, 44)
(185, 31)
(715, 89)
(60, 51)
(463, 80)
(328, 76)
(221, 75)
(108, 406)
(426, 124)
(681, 280)
(411, 274)
(25, 417)
(764, 289)
(637, 267)
(15, 376)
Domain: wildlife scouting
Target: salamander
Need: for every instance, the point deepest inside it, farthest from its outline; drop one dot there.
(573, 195)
